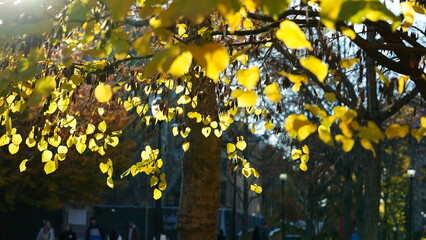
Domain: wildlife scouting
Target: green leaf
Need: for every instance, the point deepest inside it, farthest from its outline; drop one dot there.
(274, 8)
(357, 11)
(118, 8)
(77, 12)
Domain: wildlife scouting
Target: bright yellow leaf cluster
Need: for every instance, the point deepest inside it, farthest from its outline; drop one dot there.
(299, 126)
(107, 168)
(292, 36)
(150, 164)
(249, 79)
(303, 154)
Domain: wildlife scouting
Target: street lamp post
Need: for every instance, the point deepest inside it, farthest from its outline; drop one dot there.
(283, 178)
(155, 108)
(411, 172)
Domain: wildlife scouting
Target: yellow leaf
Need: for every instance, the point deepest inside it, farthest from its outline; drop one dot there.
(54, 140)
(185, 146)
(90, 129)
(345, 128)
(251, 5)
(157, 194)
(181, 64)
(256, 189)
(247, 24)
(104, 167)
(325, 135)
(211, 56)
(396, 130)
(408, 11)
(218, 132)
(304, 158)
(248, 77)
(347, 143)
(153, 181)
(63, 104)
(110, 182)
(348, 63)
(402, 80)
(13, 149)
(22, 165)
(77, 79)
(103, 92)
(366, 144)
(305, 149)
(269, 125)
(62, 149)
(246, 172)
(331, 97)
(5, 139)
(241, 145)
(382, 77)
(298, 125)
(16, 139)
(49, 167)
(185, 133)
(303, 166)
(316, 67)
(113, 141)
(244, 98)
(101, 111)
(423, 122)
(371, 132)
(102, 126)
(272, 91)
(142, 44)
(206, 131)
(175, 131)
(46, 156)
(329, 13)
(230, 148)
(80, 147)
(296, 154)
(348, 32)
(418, 133)
(292, 36)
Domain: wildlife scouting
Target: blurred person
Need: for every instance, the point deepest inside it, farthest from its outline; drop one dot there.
(221, 235)
(68, 234)
(256, 234)
(162, 236)
(94, 231)
(133, 233)
(114, 235)
(46, 232)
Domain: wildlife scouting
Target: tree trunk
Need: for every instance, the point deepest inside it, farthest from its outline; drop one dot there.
(372, 166)
(199, 203)
(347, 209)
(246, 204)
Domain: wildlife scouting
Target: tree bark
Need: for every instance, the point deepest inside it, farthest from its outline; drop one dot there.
(199, 203)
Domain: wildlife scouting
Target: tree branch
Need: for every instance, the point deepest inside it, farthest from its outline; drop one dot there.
(398, 105)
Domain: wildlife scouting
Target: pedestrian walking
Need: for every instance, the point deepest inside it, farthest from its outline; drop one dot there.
(68, 234)
(46, 232)
(133, 233)
(94, 231)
